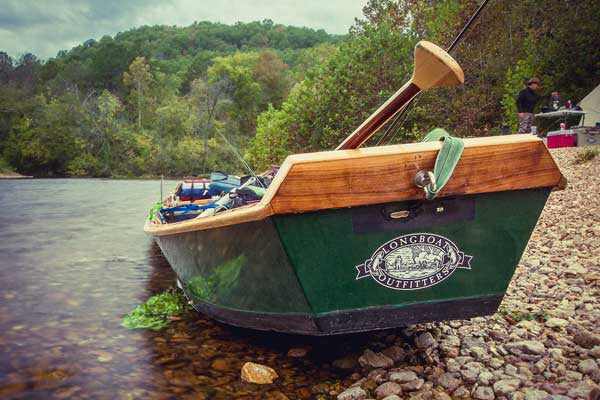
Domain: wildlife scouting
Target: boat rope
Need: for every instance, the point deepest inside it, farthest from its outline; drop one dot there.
(239, 156)
(446, 161)
(391, 131)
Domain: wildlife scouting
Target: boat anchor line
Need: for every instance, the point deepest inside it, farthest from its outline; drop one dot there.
(415, 261)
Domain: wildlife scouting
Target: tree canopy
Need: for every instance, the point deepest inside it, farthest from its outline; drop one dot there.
(163, 100)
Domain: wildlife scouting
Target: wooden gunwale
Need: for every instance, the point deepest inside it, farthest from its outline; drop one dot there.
(348, 178)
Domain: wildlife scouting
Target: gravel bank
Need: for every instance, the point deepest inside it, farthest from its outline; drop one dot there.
(543, 343)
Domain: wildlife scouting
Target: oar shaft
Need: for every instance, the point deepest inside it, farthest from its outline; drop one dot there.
(378, 119)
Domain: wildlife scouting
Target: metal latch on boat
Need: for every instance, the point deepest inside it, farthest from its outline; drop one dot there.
(445, 162)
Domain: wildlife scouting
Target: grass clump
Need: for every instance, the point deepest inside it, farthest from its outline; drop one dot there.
(586, 154)
(155, 312)
(516, 316)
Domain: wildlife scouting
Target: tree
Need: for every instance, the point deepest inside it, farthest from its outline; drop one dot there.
(139, 79)
(271, 74)
(204, 98)
(238, 69)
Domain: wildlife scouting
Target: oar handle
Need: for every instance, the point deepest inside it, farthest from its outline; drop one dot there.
(433, 68)
(380, 117)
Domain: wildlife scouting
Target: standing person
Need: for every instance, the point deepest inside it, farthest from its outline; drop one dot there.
(525, 104)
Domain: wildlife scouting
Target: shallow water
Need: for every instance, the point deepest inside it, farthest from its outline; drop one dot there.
(73, 261)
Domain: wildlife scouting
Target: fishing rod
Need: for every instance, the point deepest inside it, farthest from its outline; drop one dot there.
(387, 136)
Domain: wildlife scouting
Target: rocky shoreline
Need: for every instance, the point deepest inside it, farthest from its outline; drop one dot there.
(544, 343)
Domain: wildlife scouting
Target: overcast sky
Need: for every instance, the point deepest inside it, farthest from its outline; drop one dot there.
(44, 27)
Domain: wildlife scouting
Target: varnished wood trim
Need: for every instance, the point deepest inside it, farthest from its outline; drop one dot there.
(347, 178)
(381, 175)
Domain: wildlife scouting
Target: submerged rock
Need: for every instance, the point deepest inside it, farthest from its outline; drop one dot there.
(354, 393)
(370, 359)
(387, 389)
(257, 373)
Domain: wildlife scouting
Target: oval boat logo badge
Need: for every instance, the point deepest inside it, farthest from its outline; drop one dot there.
(415, 261)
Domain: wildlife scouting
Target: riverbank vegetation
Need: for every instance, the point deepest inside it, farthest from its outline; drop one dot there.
(164, 100)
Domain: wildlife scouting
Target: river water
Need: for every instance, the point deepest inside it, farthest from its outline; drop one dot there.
(74, 260)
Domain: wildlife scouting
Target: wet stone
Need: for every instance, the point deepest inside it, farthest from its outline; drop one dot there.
(378, 375)
(412, 385)
(425, 340)
(396, 353)
(387, 389)
(403, 376)
(297, 353)
(257, 373)
(370, 359)
(353, 393)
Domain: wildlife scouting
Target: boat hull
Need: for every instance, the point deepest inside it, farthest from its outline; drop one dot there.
(359, 268)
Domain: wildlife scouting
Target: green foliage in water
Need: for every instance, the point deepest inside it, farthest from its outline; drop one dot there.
(155, 312)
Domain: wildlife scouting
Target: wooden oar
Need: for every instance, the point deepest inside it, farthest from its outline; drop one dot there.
(433, 68)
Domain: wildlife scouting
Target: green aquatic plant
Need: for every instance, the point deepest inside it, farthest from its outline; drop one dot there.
(155, 312)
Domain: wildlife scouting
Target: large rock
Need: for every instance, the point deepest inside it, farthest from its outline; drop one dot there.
(484, 393)
(370, 359)
(354, 393)
(557, 323)
(586, 339)
(403, 376)
(257, 373)
(396, 353)
(347, 363)
(528, 346)
(469, 375)
(449, 381)
(535, 394)
(583, 390)
(387, 389)
(485, 378)
(378, 375)
(412, 385)
(587, 366)
(461, 393)
(506, 386)
(425, 340)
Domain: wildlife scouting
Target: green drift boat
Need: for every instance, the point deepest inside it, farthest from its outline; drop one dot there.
(372, 238)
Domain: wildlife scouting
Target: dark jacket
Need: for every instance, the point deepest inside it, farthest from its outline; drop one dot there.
(526, 100)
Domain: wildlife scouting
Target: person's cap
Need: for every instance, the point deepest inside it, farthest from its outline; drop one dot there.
(533, 80)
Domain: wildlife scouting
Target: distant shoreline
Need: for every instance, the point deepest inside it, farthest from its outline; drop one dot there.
(13, 175)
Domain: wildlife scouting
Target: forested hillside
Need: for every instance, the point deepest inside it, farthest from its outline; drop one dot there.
(149, 100)
(163, 100)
